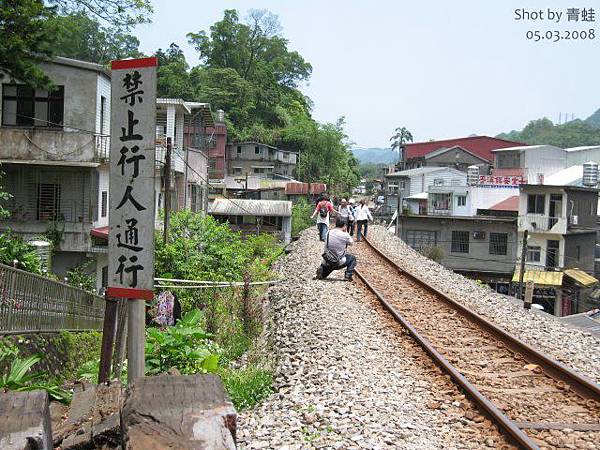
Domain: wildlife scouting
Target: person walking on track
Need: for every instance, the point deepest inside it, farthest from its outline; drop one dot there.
(351, 217)
(344, 211)
(335, 256)
(324, 207)
(363, 215)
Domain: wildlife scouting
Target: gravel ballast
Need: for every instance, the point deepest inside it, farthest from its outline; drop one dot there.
(348, 377)
(575, 348)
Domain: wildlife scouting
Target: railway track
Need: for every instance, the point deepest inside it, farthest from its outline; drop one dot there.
(537, 402)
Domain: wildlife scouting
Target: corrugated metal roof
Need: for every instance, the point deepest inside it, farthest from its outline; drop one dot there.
(581, 277)
(589, 321)
(414, 172)
(243, 207)
(540, 278)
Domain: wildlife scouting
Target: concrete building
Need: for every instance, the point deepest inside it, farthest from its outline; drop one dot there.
(255, 216)
(416, 181)
(215, 138)
(532, 162)
(480, 247)
(561, 219)
(457, 153)
(252, 158)
(54, 154)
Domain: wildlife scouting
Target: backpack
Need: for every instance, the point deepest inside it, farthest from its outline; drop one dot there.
(323, 211)
(330, 258)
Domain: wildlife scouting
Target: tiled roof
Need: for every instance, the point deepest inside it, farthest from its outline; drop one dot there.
(509, 204)
(481, 146)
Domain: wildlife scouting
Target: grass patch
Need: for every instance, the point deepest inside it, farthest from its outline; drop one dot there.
(247, 386)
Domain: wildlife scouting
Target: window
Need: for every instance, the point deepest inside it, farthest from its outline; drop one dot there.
(237, 170)
(578, 252)
(498, 243)
(461, 200)
(460, 242)
(258, 169)
(534, 254)
(212, 163)
(535, 203)
(438, 181)
(103, 203)
(102, 113)
(28, 107)
(48, 201)
(269, 170)
(239, 149)
(257, 150)
(420, 239)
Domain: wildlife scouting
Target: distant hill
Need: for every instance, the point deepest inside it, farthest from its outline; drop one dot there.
(571, 134)
(375, 155)
(594, 119)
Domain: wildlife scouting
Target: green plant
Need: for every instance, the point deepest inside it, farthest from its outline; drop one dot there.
(88, 371)
(80, 348)
(79, 276)
(14, 248)
(54, 235)
(184, 346)
(247, 386)
(301, 220)
(19, 376)
(432, 252)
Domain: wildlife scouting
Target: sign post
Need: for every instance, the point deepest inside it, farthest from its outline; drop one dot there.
(528, 295)
(131, 218)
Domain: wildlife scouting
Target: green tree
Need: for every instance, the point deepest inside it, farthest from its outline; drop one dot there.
(27, 35)
(82, 37)
(401, 136)
(24, 39)
(173, 74)
(543, 131)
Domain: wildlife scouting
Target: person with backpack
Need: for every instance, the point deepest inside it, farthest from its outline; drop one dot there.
(363, 215)
(334, 255)
(324, 207)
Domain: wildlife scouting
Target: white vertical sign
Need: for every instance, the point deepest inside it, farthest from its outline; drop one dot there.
(131, 219)
(132, 166)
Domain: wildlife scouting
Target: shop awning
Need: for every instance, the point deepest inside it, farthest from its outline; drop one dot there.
(581, 277)
(540, 278)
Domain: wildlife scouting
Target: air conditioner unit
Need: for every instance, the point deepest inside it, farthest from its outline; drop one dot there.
(574, 220)
(479, 235)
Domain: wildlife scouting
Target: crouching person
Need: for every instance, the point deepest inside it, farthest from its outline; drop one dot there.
(335, 256)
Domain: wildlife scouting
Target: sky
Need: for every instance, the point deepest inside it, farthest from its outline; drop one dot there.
(441, 69)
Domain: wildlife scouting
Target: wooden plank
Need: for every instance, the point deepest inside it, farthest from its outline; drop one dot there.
(559, 426)
(25, 421)
(178, 412)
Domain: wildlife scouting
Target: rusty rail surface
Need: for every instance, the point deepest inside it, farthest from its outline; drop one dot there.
(581, 385)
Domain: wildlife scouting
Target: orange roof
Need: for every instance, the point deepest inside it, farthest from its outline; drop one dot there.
(510, 204)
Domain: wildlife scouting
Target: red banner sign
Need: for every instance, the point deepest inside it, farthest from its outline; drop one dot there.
(508, 181)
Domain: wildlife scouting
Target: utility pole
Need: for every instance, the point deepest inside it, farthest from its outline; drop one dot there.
(523, 256)
(167, 169)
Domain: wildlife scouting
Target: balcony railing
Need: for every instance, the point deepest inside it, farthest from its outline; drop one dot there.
(177, 161)
(541, 222)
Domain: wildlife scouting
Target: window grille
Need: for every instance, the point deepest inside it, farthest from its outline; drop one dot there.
(460, 242)
(498, 243)
(420, 239)
(28, 107)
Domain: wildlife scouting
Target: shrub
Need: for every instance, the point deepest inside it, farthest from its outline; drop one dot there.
(79, 276)
(79, 348)
(13, 247)
(433, 252)
(301, 213)
(185, 346)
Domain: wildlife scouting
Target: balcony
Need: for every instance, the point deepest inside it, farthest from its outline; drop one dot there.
(49, 145)
(177, 161)
(539, 223)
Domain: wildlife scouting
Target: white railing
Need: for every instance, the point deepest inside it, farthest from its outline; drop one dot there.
(541, 222)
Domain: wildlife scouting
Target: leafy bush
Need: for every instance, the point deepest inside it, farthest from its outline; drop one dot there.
(247, 386)
(301, 220)
(13, 247)
(433, 252)
(79, 276)
(184, 346)
(19, 376)
(80, 348)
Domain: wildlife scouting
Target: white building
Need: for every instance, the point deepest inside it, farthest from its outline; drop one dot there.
(532, 162)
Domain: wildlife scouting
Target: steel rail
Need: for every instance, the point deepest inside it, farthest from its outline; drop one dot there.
(513, 432)
(580, 384)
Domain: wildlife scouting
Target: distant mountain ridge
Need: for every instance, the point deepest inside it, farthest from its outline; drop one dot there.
(375, 155)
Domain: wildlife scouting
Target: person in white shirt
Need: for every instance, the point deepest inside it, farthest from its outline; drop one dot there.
(334, 255)
(363, 215)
